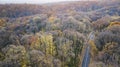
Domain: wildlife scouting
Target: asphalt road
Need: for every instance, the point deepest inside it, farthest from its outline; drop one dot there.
(86, 59)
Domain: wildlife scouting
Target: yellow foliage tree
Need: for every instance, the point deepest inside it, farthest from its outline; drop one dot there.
(94, 50)
(2, 22)
(44, 42)
(51, 19)
(113, 24)
(49, 44)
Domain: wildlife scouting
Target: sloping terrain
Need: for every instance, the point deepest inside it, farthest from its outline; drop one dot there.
(54, 35)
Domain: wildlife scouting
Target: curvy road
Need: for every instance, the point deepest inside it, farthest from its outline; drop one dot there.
(86, 59)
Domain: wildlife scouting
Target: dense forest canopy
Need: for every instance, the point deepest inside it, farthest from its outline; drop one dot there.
(56, 34)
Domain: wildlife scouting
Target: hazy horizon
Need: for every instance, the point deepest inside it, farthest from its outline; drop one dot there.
(33, 1)
(37, 1)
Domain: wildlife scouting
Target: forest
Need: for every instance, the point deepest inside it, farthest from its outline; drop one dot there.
(56, 34)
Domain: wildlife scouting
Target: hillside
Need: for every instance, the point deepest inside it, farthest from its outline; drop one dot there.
(57, 34)
(20, 10)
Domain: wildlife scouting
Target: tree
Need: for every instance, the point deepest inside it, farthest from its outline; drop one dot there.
(15, 56)
(46, 43)
(38, 59)
(2, 22)
(110, 54)
(4, 38)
